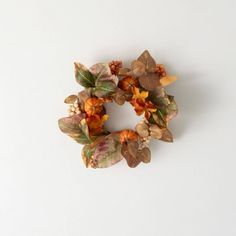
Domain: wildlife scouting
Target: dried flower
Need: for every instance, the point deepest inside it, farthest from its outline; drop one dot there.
(115, 67)
(128, 83)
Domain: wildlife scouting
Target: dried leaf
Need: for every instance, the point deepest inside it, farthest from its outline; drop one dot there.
(150, 81)
(119, 97)
(166, 135)
(124, 71)
(104, 88)
(171, 110)
(138, 68)
(129, 152)
(148, 61)
(75, 127)
(83, 76)
(84, 96)
(144, 155)
(155, 132)
(164, 81)
(142, 129)
(71, 99)
(101, 70)
(103, 152)
(159, 118)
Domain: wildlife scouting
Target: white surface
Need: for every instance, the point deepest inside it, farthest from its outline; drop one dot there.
(188, 189)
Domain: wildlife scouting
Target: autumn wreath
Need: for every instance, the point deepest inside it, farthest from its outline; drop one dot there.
(142, 86)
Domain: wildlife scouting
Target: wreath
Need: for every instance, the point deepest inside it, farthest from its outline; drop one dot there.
(142, 85)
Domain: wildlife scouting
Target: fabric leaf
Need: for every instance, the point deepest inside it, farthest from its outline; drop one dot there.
(83, 76)
(75, 127)
(104, 88)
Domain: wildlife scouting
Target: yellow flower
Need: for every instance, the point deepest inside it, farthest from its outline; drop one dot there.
(140, 96)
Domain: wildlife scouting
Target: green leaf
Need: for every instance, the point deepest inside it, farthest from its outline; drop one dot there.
(75, 127)
(83, 76)
(104, 88)
(103, 152)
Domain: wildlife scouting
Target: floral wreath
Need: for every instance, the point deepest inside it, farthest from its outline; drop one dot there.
(142, 86)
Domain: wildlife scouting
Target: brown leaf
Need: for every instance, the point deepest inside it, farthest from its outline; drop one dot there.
(138, 68)
(155, 132)
(148, 61)
(119, 97)
(166, 135)
(150, 81)
(142, 129)
(70, 99)
(145, 155)
(129, 152)
(124, 71)
(83, 96)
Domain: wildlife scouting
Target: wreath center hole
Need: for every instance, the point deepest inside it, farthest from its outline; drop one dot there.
(121, 117)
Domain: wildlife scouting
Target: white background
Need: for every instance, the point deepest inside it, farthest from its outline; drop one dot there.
(189, 187)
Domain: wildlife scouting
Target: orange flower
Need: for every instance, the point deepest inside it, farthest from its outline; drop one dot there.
(128, 135)
(140, 96)
(95, 123)
(128, 83)
(146, 107)
(93, 106)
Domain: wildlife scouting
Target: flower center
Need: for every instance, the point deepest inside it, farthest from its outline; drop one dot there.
(121, 117)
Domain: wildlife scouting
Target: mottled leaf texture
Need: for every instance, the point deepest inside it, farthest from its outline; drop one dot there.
(144, 155)
(149, 82)
(104, 88)
(75, 127)
(71, 99)
(148, 61)
(171, 109)
(101, 70)
(130, 152)
(166, 135)
(104, 152)
(83, 76)
(138, 68)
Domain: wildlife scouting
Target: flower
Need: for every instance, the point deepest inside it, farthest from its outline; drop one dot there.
(146, 107)
(127, 83)
(128, 135)
(139, 95)
(95, 123)
(115, 66)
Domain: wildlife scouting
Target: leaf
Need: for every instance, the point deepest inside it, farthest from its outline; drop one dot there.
(124, 71)
(171, 110)
(155, 132)
(145, 155)
(107, 151)
(101, 70)
(148, 61)
(167, 80)
(166, 135)
(75, 127)
(159, 118)
(138, 68)
(84, 96)
(83, 76)
(142, 129)
(104, 88)
(150, 81)
(71, 99)
(129, 151)
(119, 97)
